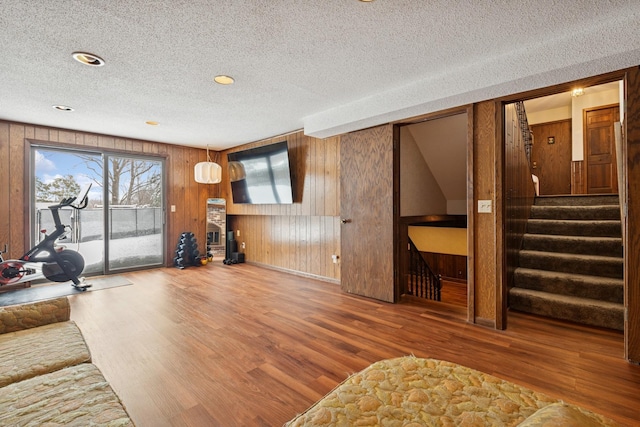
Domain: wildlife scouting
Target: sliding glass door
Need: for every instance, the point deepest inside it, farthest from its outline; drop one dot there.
(122, 227)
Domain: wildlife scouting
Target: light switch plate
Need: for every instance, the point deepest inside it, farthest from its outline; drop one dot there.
(484, 206)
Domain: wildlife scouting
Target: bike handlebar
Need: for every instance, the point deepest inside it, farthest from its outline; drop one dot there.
(69, 201)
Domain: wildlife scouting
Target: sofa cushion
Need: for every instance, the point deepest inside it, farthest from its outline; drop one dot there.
(563, 415)
(30, 352)
(411, 391)
(78, 396)
(31, 315)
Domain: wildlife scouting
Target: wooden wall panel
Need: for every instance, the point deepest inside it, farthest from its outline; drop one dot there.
(632, 239)
(486, 231)
(188, 196)
(578, 181)
(447, 265)
(300, 237)
(18, 205)
(5, 193)
(298, 244)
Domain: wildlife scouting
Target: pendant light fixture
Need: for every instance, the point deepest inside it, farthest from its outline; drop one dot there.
(236, 171)
(208, 172)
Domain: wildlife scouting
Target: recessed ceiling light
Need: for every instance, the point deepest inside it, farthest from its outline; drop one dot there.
(152, 123)
(88, 59)
(223, 80)
(62, 108)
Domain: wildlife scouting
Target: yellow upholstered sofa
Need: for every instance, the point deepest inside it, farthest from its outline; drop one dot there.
(46, 374)
(414, 392)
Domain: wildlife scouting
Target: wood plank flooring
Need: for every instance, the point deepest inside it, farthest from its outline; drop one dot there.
(242, 345)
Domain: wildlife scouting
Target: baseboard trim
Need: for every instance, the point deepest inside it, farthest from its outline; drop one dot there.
(296, 272)
(488, 323)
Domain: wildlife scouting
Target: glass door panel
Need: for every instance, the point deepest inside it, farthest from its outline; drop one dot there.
(135, 214)
(59, 174)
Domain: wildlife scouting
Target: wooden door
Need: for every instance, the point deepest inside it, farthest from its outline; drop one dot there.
(600, 150)
(367, 213)
(551, 156)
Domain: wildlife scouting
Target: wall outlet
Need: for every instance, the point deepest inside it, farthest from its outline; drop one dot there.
(173, 208)
(243, 246)
(237, 233)
(335, 258)
(484, 206)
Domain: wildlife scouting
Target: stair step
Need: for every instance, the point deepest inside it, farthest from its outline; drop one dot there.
(581, 310)
(571, 265)
(593, 265)
(596, 228)
(578, 200)
(579, 285)
(593, 212)
(607, 246)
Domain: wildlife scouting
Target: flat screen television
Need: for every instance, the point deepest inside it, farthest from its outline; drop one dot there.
(261, 175)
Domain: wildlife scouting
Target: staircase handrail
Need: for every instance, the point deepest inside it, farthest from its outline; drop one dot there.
(527, 135)
(423, 282)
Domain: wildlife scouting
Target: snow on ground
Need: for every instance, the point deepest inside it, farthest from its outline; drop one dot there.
(125, 252)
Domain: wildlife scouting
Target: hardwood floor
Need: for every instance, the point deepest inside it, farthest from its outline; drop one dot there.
(242, 345)
(454, 292)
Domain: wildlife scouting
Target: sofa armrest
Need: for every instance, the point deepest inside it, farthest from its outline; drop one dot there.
(566, 415)
(24, 316)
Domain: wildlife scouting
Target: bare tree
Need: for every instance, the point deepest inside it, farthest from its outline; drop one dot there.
(130, 181)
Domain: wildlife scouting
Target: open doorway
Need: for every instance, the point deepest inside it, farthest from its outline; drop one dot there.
(564, 227)
(433, 209)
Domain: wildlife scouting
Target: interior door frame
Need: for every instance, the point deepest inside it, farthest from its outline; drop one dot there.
(401, 228)
(631, 152)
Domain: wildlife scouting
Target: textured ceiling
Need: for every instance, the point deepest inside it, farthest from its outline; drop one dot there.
(327, 67)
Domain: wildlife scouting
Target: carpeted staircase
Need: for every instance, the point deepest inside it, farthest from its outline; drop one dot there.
(571, 265)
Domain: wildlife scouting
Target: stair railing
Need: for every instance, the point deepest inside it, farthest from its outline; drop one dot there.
(622, 191)
(524, 128)
(519, 190)
(422, 281)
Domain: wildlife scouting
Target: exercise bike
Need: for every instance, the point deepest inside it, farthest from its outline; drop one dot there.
(47, 259)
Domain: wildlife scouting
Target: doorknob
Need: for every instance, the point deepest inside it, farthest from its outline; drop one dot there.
(345, 221)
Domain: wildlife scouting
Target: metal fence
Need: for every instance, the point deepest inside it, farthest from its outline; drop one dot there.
(88, 224)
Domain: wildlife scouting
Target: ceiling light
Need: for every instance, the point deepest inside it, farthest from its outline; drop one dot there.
(207, 172)
(152, 123)
(88, 59)
(223, 80)
(62, 108)
(577, 92)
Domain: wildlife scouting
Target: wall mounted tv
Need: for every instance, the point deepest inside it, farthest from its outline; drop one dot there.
(261, 175)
